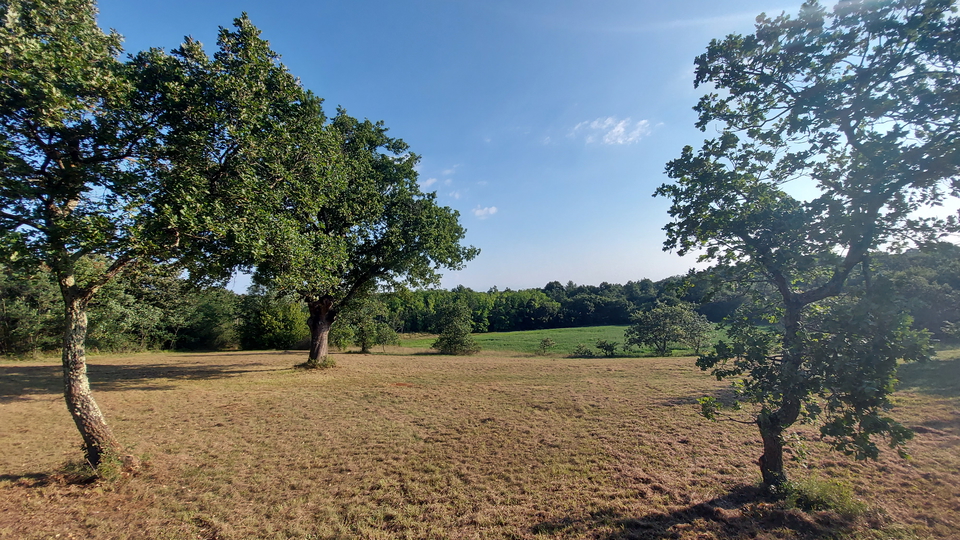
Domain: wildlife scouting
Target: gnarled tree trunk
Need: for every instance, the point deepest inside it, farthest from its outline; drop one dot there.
(98, 439)
(322, 315)
(771, 462)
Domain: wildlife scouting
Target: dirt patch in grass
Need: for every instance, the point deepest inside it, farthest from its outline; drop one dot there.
(241, 445)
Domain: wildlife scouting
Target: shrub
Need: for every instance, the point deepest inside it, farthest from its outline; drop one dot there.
(545, 345)
(582, 351)
(455, 331)
(609, 348)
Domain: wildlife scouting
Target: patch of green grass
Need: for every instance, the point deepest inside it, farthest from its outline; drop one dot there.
(816, 495)
(566, 340)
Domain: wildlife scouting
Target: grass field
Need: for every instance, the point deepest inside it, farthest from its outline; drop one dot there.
(499, 445)
(566, 340)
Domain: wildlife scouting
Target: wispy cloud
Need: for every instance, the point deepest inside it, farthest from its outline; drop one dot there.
(454, 194)
(428, 182)
(451, 170)
(612, 130)
(485, 212)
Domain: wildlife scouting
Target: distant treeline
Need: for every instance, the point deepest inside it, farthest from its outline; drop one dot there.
(152, 308)
(557, 305)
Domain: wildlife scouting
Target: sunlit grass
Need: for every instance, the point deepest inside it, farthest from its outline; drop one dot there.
(566, 340)
(241, 445)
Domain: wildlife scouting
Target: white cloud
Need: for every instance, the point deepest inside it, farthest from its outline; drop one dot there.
(451, 170)
(447, 182)
(484, 213)
(611, 130)
(428, 182)
(455, 194)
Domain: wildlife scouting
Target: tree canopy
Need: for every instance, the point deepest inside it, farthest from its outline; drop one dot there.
(859, 102)
(108, 164)
(378, 229)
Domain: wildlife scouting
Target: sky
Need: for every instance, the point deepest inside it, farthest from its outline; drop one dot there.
(545, 123)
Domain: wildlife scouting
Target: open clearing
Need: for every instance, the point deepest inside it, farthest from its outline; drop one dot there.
(239, 445)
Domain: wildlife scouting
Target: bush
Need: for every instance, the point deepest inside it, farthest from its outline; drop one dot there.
(455, 331)
(545, 345)
(609, 348)
(582, 351)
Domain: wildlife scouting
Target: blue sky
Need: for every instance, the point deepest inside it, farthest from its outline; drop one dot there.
(547, 124)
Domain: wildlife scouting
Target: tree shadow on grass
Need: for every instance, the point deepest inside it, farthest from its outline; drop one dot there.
(744, 512)
(19, 381)
(935, 377)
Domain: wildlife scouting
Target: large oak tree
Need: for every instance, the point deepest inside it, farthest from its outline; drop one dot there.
(375, 229)
(107, 163)
(862, 103)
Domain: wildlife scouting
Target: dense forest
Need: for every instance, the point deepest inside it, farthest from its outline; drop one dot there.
(154, 308)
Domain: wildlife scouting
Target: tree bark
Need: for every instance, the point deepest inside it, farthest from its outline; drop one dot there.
(322, 315)
(773, 424)
(98, 439)
(771, 462)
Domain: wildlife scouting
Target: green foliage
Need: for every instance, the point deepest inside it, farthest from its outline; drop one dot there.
(563, 306)
(210, 322)
(813, 495)
(358, 222)
(271, 322)
(454, 335)
(31, 316)
(324, 363)
(365, 324)
(142, 160)
(861, 101)
(545, 345)
(147, 307)
(582, 351)
(664, 326)
(608, 348)
(928, 280)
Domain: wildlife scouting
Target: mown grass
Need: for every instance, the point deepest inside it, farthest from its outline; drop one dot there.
(566, 340)
(241, 445)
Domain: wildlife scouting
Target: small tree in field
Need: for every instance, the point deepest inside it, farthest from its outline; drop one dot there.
(860, 102)
(660, 327)
(455, 329)
(366, 324)
(697, 332)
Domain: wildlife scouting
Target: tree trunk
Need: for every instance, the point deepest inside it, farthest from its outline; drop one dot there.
(771, 462)
(321, 319)
(98, 439)
(773, 424)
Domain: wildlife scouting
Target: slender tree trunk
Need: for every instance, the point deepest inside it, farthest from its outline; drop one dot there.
(98, 439)
(772, 425)
(322, 315)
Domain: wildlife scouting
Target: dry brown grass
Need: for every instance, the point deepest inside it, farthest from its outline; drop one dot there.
(239, 445)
